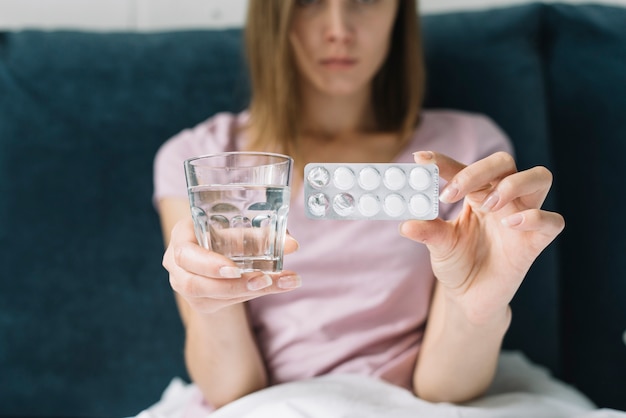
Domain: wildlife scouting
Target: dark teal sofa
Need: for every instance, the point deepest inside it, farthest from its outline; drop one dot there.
(88, 326)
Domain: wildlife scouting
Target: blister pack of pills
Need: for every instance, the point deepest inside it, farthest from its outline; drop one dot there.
(371, 191)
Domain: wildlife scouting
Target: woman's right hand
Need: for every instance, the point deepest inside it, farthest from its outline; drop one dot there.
(208, 281)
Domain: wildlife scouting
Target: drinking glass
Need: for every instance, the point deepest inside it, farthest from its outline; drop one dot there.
(239, 205)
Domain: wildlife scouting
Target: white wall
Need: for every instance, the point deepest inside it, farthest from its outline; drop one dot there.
(170, 14)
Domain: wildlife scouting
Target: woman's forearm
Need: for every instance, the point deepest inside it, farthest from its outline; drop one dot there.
(459, 355)
(222, 356)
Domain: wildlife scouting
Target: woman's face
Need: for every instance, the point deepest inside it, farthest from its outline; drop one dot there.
(339, 45)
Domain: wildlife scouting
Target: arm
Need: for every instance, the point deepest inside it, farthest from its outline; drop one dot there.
(480, 259)
(220, 350)
(458, 358)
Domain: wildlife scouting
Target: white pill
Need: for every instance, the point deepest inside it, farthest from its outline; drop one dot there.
(394, 205)
(369, 178)
(420, 178)
(394, 178)
(369, 205)
(419, 205)
(343, 178)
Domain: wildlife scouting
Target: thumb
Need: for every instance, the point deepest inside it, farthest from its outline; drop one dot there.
(291, 244)
(436, 234)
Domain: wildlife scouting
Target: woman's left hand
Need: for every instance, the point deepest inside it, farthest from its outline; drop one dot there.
(481, 257)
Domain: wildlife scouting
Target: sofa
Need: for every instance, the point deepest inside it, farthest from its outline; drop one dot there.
(88, 324)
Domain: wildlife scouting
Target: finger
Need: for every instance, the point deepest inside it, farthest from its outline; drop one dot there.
(548, 223)
(287, 280)
(266, 283)
(184, 250)
(530, 186)
(448, 167)
(198, 260)
(192, 257)
(184, 231)
(193, 286)
(230, 292)
(437, 234)
(250, 285)
(200, 292)
(479, 176)
(291, 245)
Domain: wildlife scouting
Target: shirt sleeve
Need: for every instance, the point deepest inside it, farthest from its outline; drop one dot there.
(210, 136)
(490, 138)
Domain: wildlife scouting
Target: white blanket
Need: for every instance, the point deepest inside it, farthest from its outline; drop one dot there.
(520, 389)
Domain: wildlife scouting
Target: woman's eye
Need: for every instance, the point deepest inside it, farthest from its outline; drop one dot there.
(304, 3)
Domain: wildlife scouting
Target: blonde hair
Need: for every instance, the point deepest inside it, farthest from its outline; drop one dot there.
(398, 87)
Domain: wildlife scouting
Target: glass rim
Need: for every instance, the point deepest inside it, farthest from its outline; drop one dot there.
(285, 158)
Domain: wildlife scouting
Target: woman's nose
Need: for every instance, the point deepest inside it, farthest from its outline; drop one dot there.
(338, 27)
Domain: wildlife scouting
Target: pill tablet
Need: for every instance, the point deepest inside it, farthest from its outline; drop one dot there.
(395, 179)
(394, 205)
(373, 191)
(369, 178)
(369, 205)
(343, 178)
(420, 178)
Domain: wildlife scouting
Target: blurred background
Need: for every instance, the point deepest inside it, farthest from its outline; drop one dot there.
(157, 15)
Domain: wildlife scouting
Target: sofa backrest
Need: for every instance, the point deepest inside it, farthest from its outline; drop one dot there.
(88, 322)
(586, 66)
(554, 77)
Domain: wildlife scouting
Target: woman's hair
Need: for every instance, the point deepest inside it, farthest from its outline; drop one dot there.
(398, 87)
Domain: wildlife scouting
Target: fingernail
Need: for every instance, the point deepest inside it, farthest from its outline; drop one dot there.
(259, 282)
(289, 282)
(513, 220)
(490, 202)
(424, 155)
(229, 272)
(449, 193)
(401, 228)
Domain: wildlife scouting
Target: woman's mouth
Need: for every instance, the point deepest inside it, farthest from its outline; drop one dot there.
(338, 63)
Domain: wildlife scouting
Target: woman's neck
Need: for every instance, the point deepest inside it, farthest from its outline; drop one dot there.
(336, 117)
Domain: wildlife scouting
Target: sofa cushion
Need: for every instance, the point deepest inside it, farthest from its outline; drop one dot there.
(587, 70)
(88, 325)
(491, 62)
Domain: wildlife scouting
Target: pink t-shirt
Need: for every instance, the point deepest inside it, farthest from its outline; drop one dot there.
(366, 290)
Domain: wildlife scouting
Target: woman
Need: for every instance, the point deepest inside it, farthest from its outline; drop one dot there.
(342, 81)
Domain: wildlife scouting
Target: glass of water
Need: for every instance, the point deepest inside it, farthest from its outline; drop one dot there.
(239, 205)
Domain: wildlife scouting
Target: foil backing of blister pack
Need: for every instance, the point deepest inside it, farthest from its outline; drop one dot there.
(372, 191)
